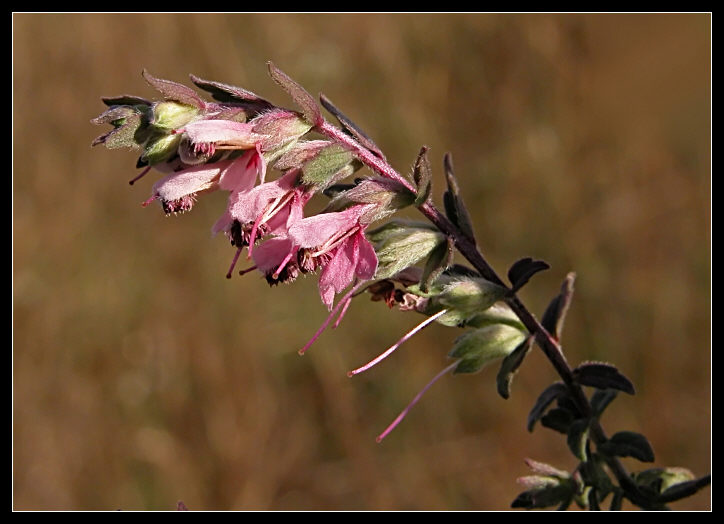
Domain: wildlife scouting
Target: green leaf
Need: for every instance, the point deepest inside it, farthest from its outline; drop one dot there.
(545, 497)
(558, 419)
(438, 261)
(510, 366)
(601, 399)
(544, 400)
(628, 444)
(520, 272)
(602, 376)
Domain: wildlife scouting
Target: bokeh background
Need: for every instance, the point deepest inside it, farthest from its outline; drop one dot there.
(141, 376)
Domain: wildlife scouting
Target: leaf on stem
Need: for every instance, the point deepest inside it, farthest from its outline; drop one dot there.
(602, 376)
(628, 444)
(684, 489)
(558, 419)
(555, 313)
(228, 93)
(520, 272)
(350, 127)
(422, 175)
(174, 91)
(454, 207)
(303, 99)
(510, 366)
(601, 399)
(439, 260)
(545, 399)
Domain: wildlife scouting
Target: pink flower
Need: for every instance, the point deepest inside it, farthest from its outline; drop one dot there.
(268, 208)
(178, 190)
(335, 242)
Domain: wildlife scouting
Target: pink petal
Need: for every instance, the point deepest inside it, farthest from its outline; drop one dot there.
(222, 132)
(242, 172)
(367, 262)
(339, 272)
(315, 231)
(269, 254)
(189, 181)
(246, 206)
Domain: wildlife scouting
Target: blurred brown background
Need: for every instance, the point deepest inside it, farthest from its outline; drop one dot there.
(141, 376)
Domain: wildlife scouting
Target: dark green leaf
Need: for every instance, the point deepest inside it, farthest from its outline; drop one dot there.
(549, 394)
(555, 313)
(352, 128)
(510, 366)
(578, 438)
(303, 99)
(684, 489)
(558, 419)
(601, 399)
(454, 207)
(543, 498)
(600, 375)
(628, 444)
(520, 272)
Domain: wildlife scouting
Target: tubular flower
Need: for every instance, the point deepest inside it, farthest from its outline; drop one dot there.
(178, 190)
(336, 243)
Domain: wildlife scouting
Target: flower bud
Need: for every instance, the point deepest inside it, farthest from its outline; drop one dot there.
(388, 196)
(471, 295)
(172, 115)
(160, 148)
(481, 346)
(400, 245)
(279, 127)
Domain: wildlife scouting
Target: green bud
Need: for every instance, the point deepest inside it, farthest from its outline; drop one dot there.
(471, 295)
(161, 148)
(498, 313)
(172, 115)
(481, 346)
(398, 247)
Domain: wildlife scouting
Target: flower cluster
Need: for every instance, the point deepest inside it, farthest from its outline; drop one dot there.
(234, 142)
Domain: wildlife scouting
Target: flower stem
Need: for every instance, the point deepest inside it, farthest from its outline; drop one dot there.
(468, 248)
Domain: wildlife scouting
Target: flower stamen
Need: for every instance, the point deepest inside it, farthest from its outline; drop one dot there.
(397, 344)
(414, 401)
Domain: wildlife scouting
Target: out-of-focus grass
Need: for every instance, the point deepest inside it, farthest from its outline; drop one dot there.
(141, 376)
